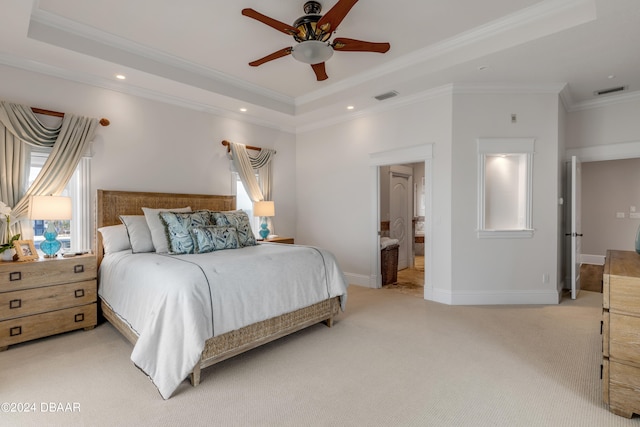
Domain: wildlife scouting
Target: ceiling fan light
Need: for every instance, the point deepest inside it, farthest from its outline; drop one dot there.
(312, 52)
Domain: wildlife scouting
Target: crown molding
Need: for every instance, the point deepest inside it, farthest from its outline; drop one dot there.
(59, 31)
(536, 14)
(388, 105)
(605, 102)
(91, 80)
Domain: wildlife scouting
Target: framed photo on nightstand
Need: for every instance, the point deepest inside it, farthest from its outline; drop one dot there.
(25, 250)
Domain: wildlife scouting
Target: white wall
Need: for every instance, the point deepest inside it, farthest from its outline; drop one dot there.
(489, 271)
(334, 182)
(153, 146)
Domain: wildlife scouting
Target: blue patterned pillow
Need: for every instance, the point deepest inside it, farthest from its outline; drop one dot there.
(240, 220)
(177, 226)
(214, 238)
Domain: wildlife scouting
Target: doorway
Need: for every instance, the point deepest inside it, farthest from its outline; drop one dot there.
(418, 158)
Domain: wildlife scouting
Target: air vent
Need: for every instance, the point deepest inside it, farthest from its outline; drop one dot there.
(610, 90)
(387, 95)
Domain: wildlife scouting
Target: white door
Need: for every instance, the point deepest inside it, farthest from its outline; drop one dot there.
(400, 213)
(576, 226)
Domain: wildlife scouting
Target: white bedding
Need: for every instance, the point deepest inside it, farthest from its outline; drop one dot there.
(176, 302)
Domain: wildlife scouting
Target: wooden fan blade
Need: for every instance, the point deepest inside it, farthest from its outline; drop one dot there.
(275, 55)
(330, 21)
(273, 23)
(352, 45)
(319, 69)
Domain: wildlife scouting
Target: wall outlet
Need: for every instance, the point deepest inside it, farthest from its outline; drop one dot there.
(545, 278)
(619, 214)
(634, 215)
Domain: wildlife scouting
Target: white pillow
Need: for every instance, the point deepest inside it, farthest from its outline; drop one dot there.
(139, 234)
(156, 226)
(114, 238)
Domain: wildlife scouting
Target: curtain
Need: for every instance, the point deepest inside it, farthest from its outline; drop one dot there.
(69, 141)
(245, 164)
(13, 175)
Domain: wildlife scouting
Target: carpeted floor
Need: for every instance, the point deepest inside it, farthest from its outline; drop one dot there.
(390, 360)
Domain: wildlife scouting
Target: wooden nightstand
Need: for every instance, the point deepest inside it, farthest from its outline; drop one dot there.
(46, 297)
(279, 239)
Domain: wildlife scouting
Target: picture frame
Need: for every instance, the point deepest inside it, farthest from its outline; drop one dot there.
(25, 250)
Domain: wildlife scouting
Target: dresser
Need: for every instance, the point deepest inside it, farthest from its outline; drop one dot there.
(46, 297)
(621, 332)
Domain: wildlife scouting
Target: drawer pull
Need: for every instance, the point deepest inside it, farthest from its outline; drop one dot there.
(79, 317)
(79, 293)
(15, 331)
(15, 275)
(15, 303)
(78, 268)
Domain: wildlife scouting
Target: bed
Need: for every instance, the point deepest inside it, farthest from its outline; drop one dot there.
(222, 284)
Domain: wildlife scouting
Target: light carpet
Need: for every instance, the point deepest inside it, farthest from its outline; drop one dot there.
(390, 360)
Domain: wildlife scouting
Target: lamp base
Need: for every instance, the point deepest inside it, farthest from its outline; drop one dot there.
(51, 245)
(264, 230)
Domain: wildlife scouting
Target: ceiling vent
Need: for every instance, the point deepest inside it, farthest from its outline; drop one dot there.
(387, 95)
(610, 90)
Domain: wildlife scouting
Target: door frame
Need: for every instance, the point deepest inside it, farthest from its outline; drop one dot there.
(414, 154)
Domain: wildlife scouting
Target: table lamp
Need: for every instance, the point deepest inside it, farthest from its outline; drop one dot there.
(50, 208)
(264, 209)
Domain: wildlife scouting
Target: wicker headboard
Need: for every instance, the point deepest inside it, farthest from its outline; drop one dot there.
(111, 204)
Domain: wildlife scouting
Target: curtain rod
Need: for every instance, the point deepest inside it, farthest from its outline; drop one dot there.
(228, 145)
(103, 121)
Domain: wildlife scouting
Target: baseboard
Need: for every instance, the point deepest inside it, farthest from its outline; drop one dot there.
(592, 259)
(360, 280)
(494, 297)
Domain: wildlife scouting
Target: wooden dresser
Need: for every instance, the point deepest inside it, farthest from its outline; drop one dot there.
(621, 332)
(46, 297)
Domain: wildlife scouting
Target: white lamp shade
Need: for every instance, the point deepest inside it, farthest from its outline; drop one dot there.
(264, 208)
(50, 208)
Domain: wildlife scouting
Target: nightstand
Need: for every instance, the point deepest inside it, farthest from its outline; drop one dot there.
(46, 297)
(279, 239)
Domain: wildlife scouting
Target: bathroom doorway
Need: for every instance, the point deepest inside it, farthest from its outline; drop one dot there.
(422, 154)
(402, 219)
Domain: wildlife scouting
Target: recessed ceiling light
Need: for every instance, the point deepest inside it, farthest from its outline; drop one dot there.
(244, 110)
(120, 76)
(350, 107)
(611, 76)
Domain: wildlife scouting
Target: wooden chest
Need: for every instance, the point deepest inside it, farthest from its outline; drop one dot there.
(621, 332)
(46, 297)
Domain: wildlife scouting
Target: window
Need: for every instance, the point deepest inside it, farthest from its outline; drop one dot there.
(244, 202)
(75, 235)
(505, 168)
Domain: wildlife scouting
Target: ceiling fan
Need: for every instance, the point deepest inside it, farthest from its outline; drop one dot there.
(312, 32)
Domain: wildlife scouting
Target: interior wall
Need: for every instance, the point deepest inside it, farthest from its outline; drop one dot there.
(153, 146)
(610, 188)
(334, 182)
(503, 270)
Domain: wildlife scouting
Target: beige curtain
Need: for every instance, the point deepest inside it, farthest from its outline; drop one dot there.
(69, 141)
(246, 164)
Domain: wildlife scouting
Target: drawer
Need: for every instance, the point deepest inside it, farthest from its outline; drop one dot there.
(624, 294)
(41, 325)
(45, 272)
(624, 338)
(39, 300)
(624, 388)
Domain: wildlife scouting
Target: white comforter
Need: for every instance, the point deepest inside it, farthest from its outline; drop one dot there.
(176, 302)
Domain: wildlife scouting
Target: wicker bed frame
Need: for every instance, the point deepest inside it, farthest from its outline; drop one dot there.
(111, 204)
